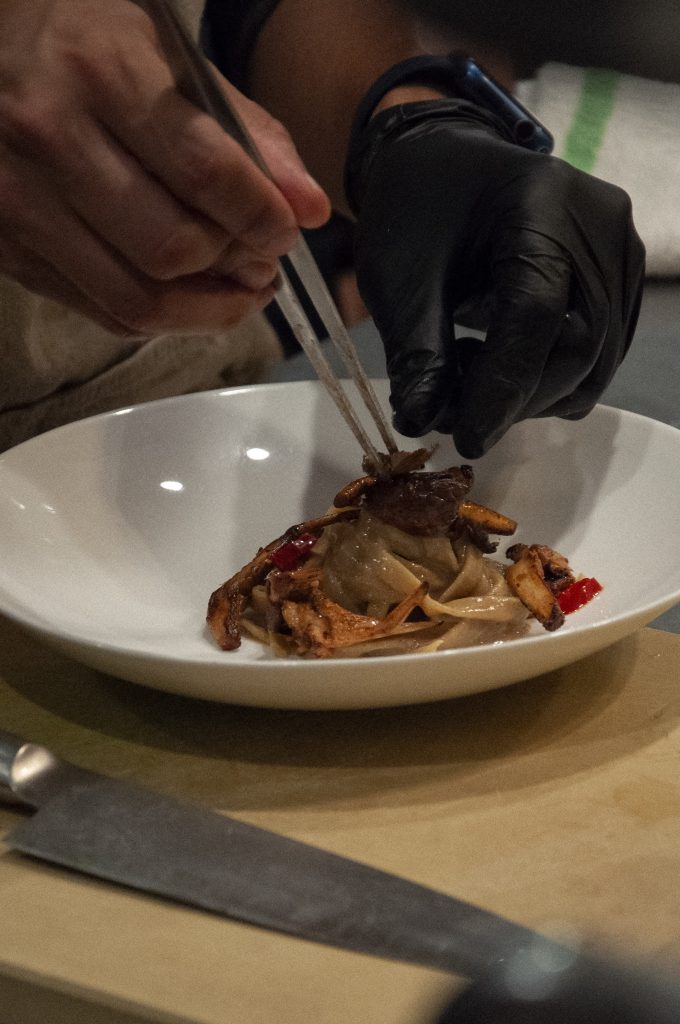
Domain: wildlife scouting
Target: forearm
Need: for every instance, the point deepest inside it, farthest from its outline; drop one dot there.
(313, 62)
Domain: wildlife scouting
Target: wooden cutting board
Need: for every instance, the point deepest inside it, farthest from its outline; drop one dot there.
(555, 802)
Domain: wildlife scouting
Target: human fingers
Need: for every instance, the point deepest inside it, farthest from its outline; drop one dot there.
(38, 277)
(246, 266)
(40, 225)
(210, 173)
(49, 124)
(111, 192)
(310, 203)
(190, 154)
(169, 240)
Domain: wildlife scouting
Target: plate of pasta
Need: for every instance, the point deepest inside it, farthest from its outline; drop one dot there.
(230, 546)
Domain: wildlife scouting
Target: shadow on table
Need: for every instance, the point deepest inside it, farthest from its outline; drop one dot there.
(246, 759)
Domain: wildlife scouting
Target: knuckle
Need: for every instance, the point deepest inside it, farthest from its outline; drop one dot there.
(34, 125)
(277, 134)
(236, 310)
(273, 232)
(86, 58)
(260, 215)
(104, 67)
(101, 76)
(138, 22)
(185, 250)
(204, 174)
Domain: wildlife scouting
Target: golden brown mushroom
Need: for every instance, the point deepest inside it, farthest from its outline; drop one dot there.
(536, 576)
(228, 602)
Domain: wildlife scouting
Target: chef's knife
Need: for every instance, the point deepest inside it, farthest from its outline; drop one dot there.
(125, 833)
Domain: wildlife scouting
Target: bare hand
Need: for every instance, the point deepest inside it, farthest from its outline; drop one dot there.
(117, 196)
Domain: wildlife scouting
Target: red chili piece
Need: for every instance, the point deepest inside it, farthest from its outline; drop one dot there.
(292, 554)
(579, 593)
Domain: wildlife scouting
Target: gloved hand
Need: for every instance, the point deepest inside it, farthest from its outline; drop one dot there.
(455, 221)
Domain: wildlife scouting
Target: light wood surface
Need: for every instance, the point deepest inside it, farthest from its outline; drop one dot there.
(555, 802)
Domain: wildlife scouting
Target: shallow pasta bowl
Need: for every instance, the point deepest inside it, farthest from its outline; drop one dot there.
(115, 530)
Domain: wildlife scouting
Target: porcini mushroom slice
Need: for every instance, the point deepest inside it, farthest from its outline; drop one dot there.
(525, 578)
(487, 518)
(320, 626)
(228, 602)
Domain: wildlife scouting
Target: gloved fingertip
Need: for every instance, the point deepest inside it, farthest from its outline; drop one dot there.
(418, 414)
(473, 444)
(439, 423)
(580, 414)
(406, 427)
(469, 449)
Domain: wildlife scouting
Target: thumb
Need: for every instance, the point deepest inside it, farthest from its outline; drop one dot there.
(421, 365)
(309, 202)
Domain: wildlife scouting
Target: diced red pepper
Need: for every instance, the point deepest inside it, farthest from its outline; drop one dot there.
(578, 593)
(294, 552)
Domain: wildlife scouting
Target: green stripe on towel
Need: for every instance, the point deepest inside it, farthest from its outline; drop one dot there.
(595, 106)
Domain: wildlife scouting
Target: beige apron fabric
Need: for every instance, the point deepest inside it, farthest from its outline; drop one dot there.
(57, 366)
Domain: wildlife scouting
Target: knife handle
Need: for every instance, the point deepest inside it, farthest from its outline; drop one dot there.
(599, 990)
(10, 746)
(30, 773)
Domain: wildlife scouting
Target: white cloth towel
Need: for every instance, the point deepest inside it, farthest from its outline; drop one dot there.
(625, 130)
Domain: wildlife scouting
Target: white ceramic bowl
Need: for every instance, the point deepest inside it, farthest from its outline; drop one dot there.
(115, 530)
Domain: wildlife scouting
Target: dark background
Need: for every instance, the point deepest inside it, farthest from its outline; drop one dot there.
(636, 36)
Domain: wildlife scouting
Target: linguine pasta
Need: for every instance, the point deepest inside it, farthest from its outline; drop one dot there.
(369, 567)
(399, 563)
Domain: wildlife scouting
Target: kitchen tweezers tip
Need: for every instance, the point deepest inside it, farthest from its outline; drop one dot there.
(309, 275)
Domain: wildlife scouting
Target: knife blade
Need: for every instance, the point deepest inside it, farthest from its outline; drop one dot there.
(125, 833)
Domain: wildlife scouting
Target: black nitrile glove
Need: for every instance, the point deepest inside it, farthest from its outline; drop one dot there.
(455, 221)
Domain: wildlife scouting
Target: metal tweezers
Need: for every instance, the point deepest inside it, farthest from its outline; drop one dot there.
(196, 82)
